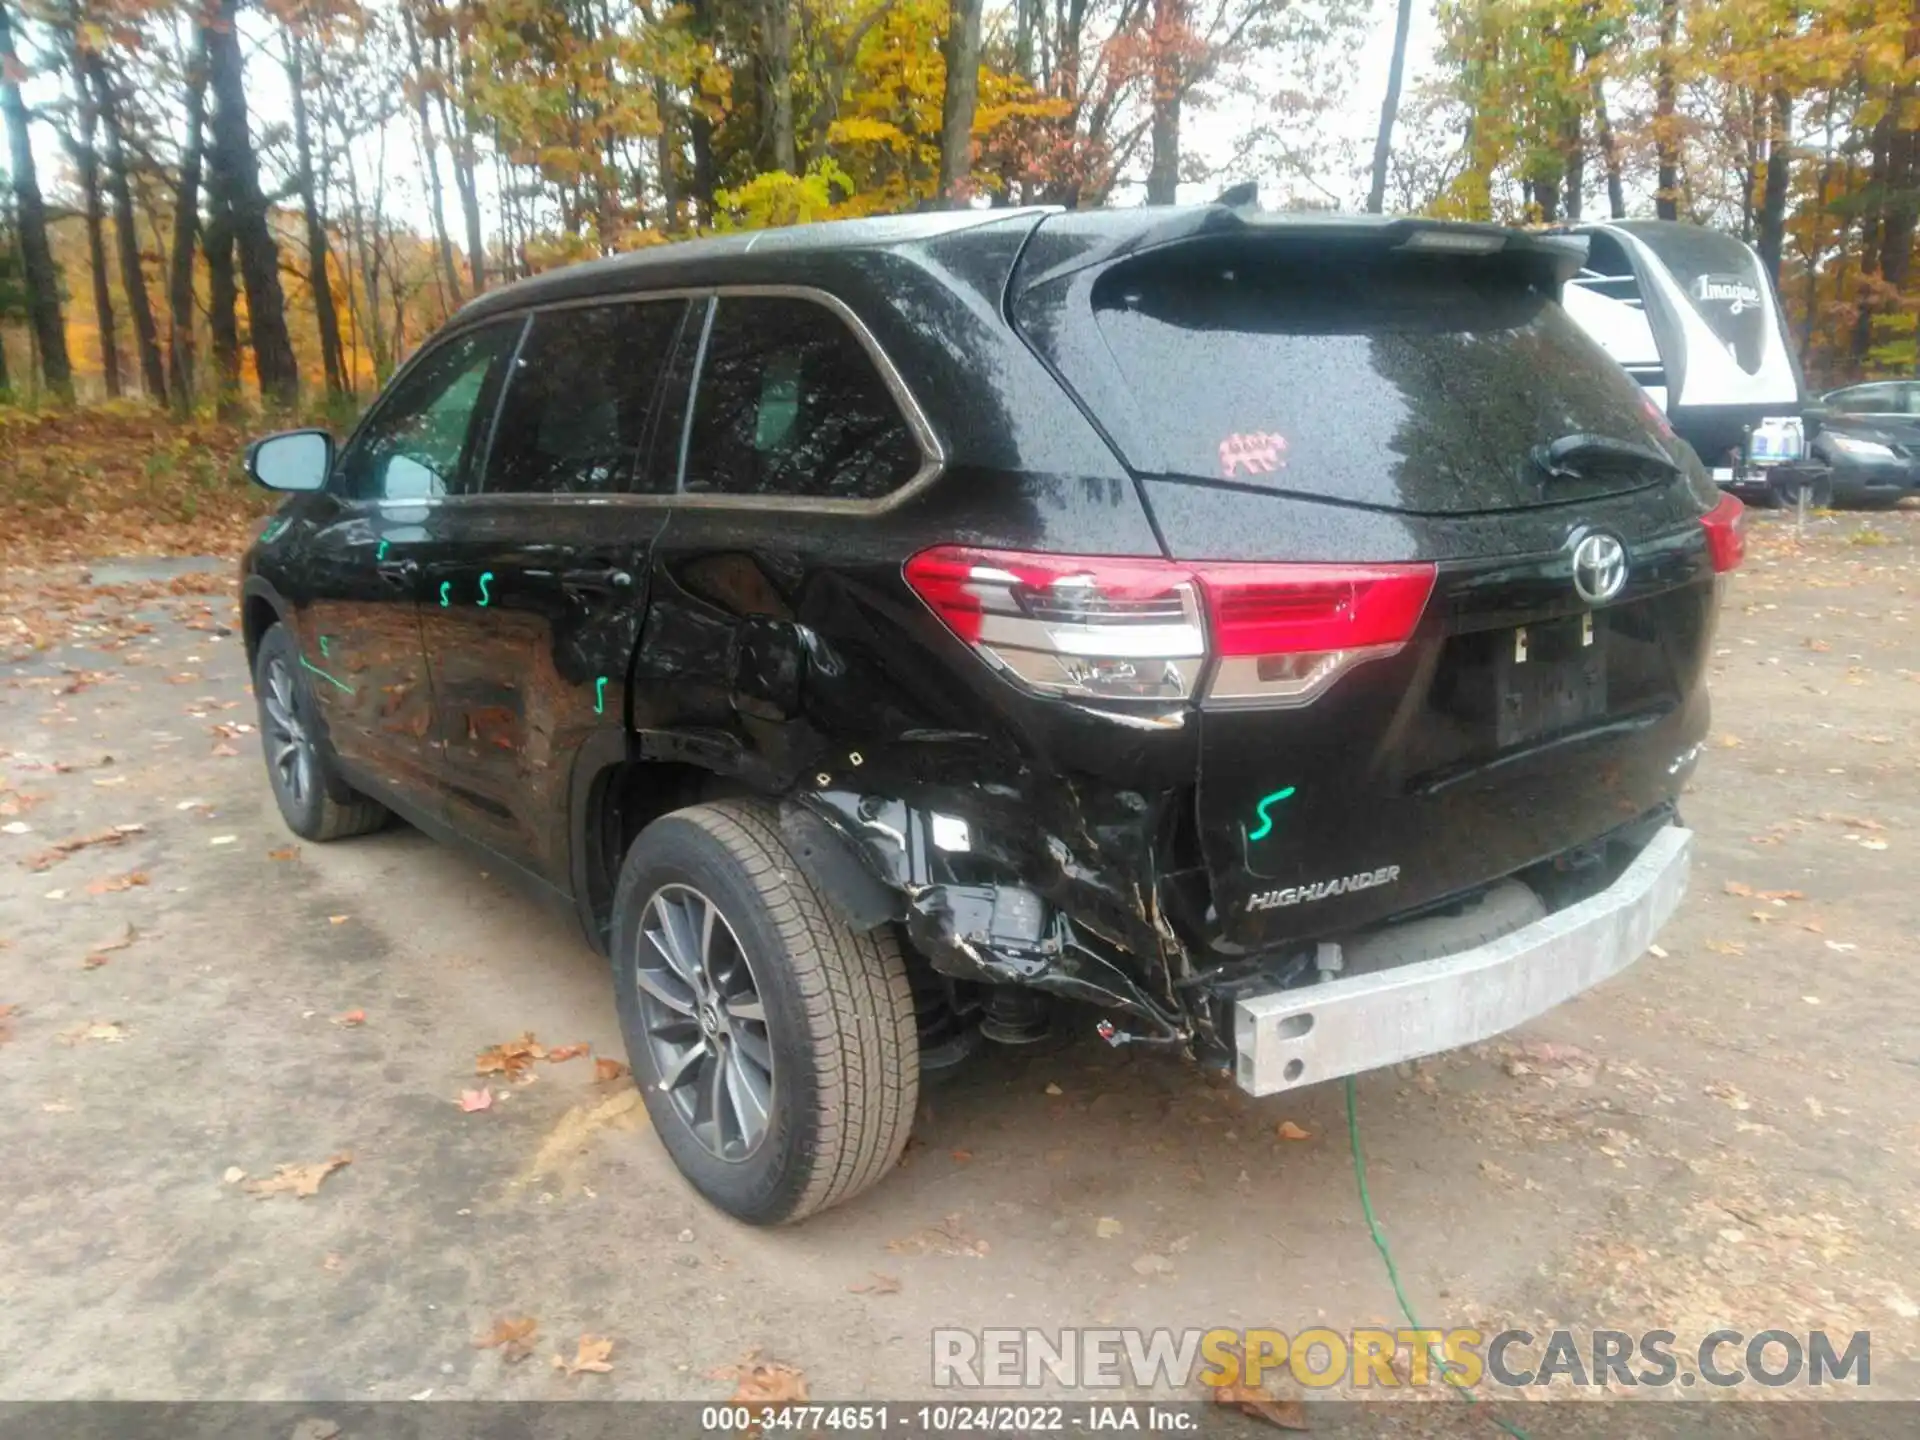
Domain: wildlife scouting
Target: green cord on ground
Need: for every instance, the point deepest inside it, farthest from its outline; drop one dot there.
(1393, 1274)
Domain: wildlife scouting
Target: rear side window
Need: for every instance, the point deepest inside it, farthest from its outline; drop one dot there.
(1406, 380)
(575, 418)
(789, 403)
(1867, 400)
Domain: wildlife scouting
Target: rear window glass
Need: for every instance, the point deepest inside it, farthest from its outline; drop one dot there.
(1388, 378)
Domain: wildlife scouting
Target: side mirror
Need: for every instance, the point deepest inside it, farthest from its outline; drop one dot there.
(295, 460)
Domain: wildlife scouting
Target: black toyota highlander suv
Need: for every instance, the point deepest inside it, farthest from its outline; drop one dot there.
(1276, 639)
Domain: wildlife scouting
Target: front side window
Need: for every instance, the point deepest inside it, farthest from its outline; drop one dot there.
(789, 403)
(423, 439)
(575, 416)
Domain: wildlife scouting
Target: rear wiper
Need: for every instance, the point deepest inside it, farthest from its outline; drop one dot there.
(1568, 457)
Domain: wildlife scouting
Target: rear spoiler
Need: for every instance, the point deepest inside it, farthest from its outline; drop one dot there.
(1069, 241)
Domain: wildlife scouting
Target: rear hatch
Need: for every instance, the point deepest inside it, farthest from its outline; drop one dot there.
(1456, 581)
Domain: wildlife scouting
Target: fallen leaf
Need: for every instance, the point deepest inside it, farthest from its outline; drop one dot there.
(1254, 1400)
(1734, 887)
(1287, 1130)
(961, 1157)
(7, 1012)
(16, 827)
(605, 1069)
(285, 852)
(338, 919)
(882, 1285)
(114, 884)
(511, 1336)
(1053, 1089)
(590, 1354)
(1781, 895)
(567, 1052)
(762, 1382)
(233, 1175)
(1873, 844)
(351, 1019)
(112, 835)
(512, 1059)
(224, 840)
(120, 940)
(472, 1100)
(111, 1031)
(1726, 947)
(1106, 1227)
(225, 750)
(1151, 1264)
(301, 1181)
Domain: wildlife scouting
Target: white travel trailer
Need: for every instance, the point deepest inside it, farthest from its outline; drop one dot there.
(1692, 316)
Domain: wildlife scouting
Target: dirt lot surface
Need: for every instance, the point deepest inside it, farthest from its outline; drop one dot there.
(1728, 1134)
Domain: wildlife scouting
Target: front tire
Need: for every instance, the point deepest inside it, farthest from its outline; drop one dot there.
(776, 1049)
(315, 804)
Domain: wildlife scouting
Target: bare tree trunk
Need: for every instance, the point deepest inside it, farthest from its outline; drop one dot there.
(186, 224)
(236, 180)
(776, 63)
(1772, 220)
(1169, 34)
(1573, 141)
(962, 95)
(30, 211)
(1666, 137)
(223, 300)
(460, 150)
(319, 262)
(86, 160)
(1610, 155)
(1389, 109)
(431, 165)
(133, 277)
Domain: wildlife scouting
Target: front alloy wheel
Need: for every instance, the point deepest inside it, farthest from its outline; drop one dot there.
(705, 1023)
(289, 746)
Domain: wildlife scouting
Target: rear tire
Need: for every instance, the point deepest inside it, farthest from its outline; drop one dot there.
(304, 786)
(1819, 492)
(786, 1042)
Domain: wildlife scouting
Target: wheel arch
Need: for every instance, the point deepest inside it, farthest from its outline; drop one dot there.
(261, 608)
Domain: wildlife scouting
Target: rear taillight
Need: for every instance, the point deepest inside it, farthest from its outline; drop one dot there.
(1122, 629)
(1726, 527)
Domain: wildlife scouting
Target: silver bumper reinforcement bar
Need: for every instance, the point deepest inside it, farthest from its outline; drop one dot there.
(1290, 1038)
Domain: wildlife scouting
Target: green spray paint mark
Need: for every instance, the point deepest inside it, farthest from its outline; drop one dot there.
(600, 696)
(445, 586)
(1266, 820)
(485, 575)
(323, 647)
(381, 553)
(337, 684)
(272, 532)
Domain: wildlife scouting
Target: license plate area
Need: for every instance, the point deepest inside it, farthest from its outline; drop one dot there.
(1551, 677)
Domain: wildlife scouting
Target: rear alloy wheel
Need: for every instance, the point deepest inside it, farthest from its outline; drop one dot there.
(706, 1025)
(775, 1048)
(314, 803)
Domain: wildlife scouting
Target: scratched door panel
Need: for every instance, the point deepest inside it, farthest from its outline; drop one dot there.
(529, 643)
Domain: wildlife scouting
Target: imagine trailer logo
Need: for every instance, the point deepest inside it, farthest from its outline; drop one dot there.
(1732, 291)
(1375, 1359)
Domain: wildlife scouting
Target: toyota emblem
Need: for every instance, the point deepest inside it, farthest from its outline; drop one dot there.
(1599, 568)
